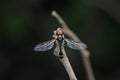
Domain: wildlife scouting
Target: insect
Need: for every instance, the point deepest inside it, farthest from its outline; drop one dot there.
(59, 40)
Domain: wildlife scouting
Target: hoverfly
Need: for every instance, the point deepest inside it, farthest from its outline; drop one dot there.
(59, 40)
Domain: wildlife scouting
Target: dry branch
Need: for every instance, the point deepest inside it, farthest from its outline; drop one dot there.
(65, 62)
(85, 52)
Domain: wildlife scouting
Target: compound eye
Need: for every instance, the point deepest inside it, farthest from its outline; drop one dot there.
(60, 32)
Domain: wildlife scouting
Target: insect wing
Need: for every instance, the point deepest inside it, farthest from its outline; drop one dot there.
(75, 45)
(45, 46)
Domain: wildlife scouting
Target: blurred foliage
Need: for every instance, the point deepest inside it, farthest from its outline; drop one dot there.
(25, 23)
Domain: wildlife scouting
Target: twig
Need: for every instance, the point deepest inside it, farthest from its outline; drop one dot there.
(85, 52)
(65, 62)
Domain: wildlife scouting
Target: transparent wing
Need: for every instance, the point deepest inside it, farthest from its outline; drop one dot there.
(75, 45)
(45, 46)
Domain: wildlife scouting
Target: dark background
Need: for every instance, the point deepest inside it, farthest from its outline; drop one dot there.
(25, 23)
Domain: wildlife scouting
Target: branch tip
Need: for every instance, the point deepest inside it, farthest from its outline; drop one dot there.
(53, 13)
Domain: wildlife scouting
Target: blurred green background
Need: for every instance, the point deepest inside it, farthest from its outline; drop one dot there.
(25, 23)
